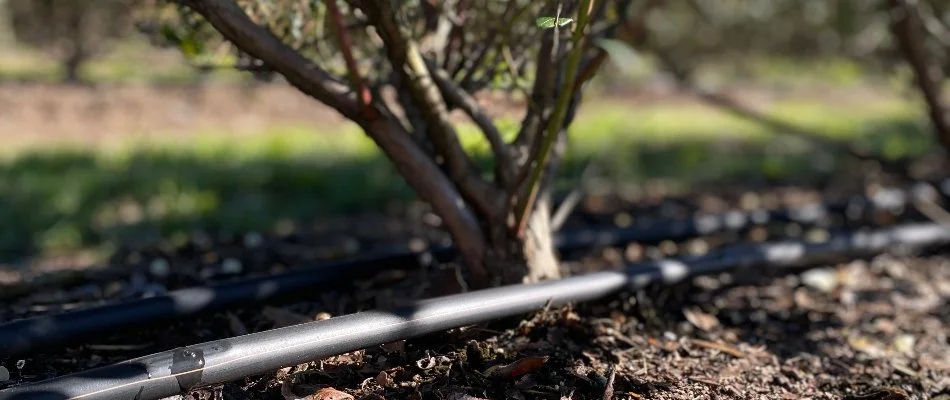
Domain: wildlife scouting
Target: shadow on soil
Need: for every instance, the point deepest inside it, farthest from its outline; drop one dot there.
(60, 201)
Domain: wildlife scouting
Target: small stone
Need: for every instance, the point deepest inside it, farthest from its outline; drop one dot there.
(824, 279)
(758, 234)
(350, 245)
(323, 315)
(634, 252)
(417, 245)
(154, 289)
(159, 268)
(4, 374)
(668, 247)
(138, 281)
(431, 219)
(793, 230)
(253, 240)
(669, 336)
(816, 235)
(904, 344)
(231, 266)
(623, 220)
(697, 247)
(750, 201)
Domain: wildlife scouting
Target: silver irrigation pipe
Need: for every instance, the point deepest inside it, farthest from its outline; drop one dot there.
(25, 336)
(175, 371)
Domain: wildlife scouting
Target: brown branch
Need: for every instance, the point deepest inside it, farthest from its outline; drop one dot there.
(539, 104)
(461, 99)
(410, 161)
(456, 39)
(683, 76)
(906, 28)
(433, 186)
(346, 47)
(406, 58)
(231, 21)
(555, 125)
(933, 24)
(464, 75)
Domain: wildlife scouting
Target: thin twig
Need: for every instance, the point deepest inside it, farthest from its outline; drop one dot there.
(346, 48)
(406, 58)
(723, 102)
(573, 198)
(934, 25)
(720, 347)
(461, 99)
(609, 390)
(555, 124)
(906, 28)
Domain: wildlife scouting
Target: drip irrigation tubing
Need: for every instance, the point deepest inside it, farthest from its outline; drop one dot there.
(855, 210)
(887, 199)
(23, 336)
(179, 370)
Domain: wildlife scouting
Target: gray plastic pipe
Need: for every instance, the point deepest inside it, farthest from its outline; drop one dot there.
(45, 332)
(176, 371)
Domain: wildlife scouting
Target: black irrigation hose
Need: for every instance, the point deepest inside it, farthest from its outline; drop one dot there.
(857, 209)
(175, 371)
(23, 336)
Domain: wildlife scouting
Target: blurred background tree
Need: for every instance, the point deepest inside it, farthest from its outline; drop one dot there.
(6, 31)
(73, 32)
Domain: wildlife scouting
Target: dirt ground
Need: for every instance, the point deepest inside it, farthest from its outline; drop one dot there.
(868, 329)
(874, 329)
(35, 114)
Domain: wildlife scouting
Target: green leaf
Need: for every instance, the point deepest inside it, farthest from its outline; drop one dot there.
(191, 48)
(170, 35)
(549, 22)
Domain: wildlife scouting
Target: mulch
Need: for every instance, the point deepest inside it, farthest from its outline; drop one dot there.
(866, 329)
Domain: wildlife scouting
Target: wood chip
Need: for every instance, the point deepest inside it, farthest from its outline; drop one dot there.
(516, 369)
(609, 391)
(709, 382)
(703, 321)
(881, 394)
(383, 379)
(329, 394)
(725, 348)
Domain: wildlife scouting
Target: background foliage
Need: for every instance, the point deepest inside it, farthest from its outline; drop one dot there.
(56, 200)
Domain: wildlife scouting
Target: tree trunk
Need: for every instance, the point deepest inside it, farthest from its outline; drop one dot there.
(71, 66)
(76, 54)
(529, 259)
(6, 27)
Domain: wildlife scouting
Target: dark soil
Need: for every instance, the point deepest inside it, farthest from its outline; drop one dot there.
(873, 329)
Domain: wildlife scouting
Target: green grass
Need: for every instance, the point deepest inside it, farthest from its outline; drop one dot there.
(61, 198)
(131, 61)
